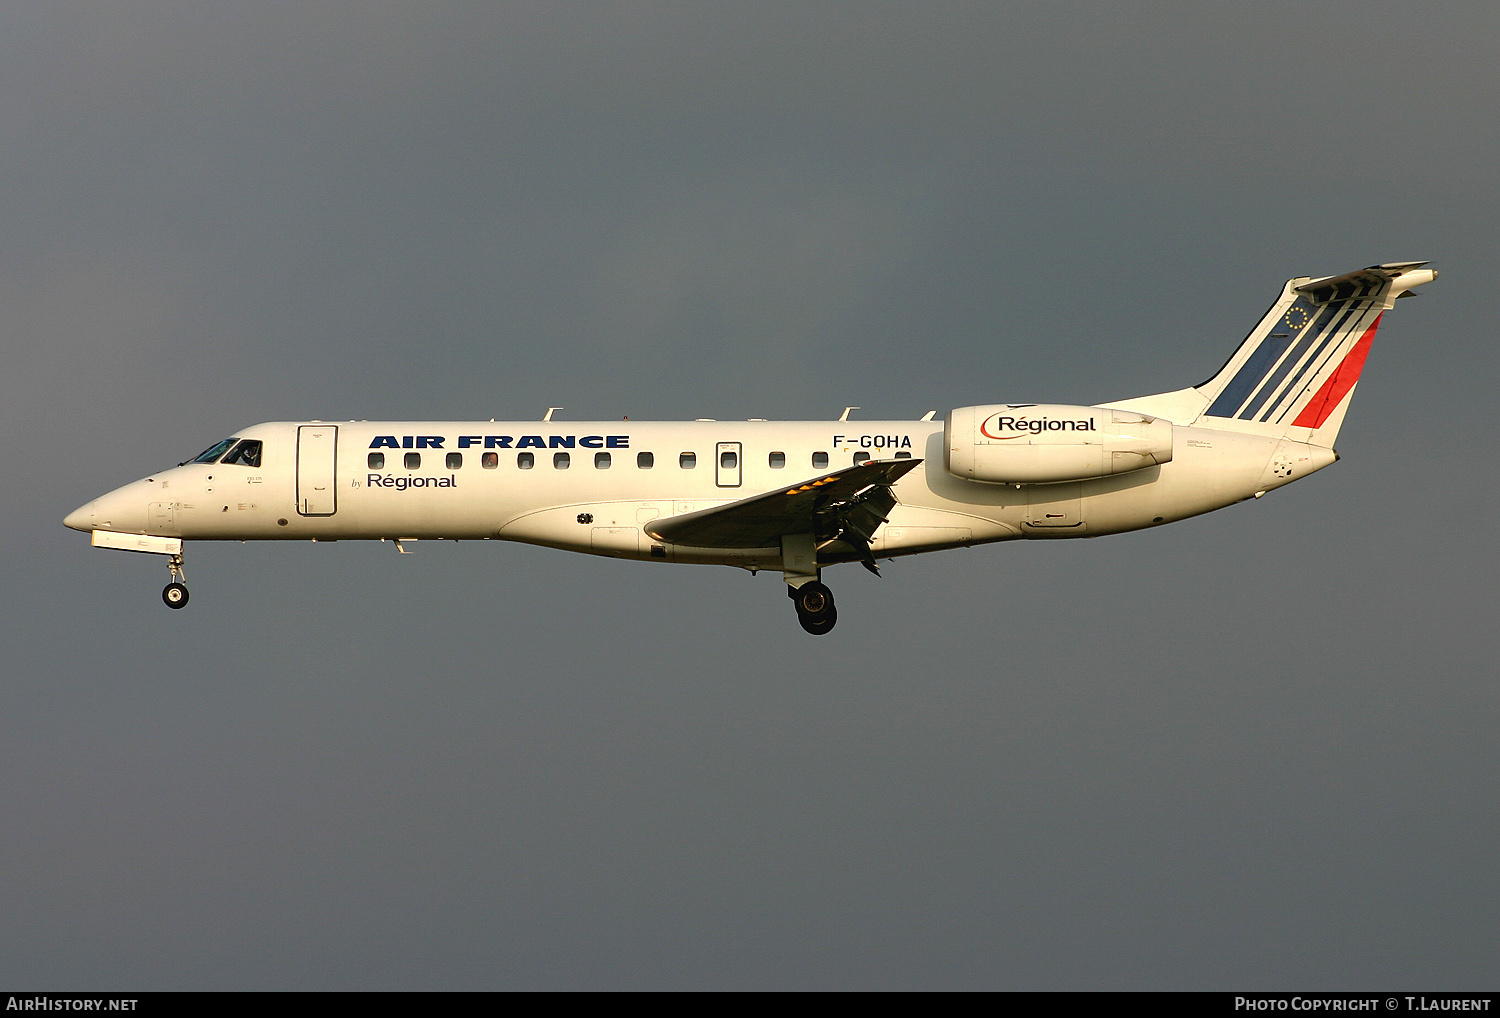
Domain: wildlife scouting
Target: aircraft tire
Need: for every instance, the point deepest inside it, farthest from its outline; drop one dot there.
(175, 595)
(821, 625)
(815, 608)
(813, 599)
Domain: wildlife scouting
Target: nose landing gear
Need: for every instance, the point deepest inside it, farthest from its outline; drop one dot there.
(175, 594)
(815, 608)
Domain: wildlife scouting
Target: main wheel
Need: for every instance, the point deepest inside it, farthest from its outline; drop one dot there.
(175, 595)
(815, 608)
(820, 625)
(813, 599)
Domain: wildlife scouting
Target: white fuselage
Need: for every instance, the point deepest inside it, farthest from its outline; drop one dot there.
(588, 487)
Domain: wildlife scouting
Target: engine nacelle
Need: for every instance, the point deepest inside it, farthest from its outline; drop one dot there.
(1038, 443)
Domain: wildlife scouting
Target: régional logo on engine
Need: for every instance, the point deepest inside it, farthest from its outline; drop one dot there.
(1019, 426)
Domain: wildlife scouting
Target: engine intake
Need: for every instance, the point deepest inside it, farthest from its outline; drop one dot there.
(1040, 443)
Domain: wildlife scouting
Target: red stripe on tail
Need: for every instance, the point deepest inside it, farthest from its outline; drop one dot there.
(1326, 400)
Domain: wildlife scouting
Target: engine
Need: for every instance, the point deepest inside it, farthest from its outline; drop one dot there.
(1039, 443)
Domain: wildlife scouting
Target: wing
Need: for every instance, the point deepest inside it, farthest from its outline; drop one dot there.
(854, 499)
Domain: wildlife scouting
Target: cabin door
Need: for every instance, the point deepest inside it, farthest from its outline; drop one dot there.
(317, 446)
(727, 463)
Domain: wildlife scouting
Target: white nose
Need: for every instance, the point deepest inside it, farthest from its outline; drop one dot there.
(81, 518)
(123, 510)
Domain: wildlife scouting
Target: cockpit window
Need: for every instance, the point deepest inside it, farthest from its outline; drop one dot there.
(246, 454)
(211, 454)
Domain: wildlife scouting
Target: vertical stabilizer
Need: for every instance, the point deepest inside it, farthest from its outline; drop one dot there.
(1295, 374)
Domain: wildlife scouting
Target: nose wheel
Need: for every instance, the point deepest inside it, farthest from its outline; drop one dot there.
(175, 594)
(815, 608)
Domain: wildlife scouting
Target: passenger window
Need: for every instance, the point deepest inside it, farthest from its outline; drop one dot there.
(903, 455)
(778, 460)
(212, 453)
(525, 460)
(820, 461)
(413, 460)
(246, 454)
(561, 460)
(375, 461)
(728, 460)
(688, 460)
(455, 460)
(490, 460)
(861, 457)
(645, 460)
(601, 460)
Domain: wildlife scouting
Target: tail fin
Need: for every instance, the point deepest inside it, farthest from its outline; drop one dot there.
(1295, 373)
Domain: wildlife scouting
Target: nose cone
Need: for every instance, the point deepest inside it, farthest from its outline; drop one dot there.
(81, 518)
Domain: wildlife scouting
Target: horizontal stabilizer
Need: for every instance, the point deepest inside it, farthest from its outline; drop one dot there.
(1365, 284)
(762, 520)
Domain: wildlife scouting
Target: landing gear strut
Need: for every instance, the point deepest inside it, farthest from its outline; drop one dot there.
(815, 608)
(175, 594)
(799, 567)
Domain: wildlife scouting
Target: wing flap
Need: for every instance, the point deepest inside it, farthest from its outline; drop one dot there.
(762, 520)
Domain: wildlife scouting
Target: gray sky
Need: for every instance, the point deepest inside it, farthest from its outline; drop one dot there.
(1252, 750)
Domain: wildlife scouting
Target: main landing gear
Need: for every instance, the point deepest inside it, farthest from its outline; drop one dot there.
(175, 594)
(815, 608)
(804, 584)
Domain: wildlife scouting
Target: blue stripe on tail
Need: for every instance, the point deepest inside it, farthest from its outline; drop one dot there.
(1299, 318)
(1305, 375)
(1309, 337)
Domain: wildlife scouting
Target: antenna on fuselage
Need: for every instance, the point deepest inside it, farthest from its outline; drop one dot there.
(550, 411)
(845, 415)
